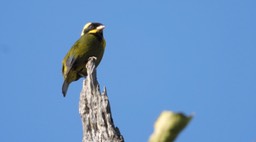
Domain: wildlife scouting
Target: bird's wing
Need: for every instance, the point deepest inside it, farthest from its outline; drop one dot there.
(68, 65)
(70, 59)
(77, 55)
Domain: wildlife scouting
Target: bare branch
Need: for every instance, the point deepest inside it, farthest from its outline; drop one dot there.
(94, 108)
(168, 126)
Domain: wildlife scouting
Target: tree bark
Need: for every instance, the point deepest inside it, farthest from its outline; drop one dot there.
(94, 108)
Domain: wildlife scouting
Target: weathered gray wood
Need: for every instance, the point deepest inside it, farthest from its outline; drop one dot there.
(94, 108)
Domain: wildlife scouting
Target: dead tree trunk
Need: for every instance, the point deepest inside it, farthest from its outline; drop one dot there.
(94, 108)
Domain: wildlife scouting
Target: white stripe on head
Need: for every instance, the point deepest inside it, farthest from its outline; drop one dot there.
(85, 27)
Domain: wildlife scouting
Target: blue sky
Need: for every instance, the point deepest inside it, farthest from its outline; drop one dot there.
(185, 56)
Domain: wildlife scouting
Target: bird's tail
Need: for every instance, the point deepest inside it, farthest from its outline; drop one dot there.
(65, 87)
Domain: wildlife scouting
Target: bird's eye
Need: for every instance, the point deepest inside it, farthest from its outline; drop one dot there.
(90, 27)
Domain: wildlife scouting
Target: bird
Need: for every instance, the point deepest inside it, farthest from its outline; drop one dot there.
(90, 44)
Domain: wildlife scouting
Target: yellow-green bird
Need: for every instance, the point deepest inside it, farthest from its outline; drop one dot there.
(91, 43)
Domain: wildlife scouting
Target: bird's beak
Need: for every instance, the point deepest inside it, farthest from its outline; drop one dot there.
(101, 27)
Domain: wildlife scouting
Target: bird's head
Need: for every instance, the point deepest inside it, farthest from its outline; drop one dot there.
(92, 27)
